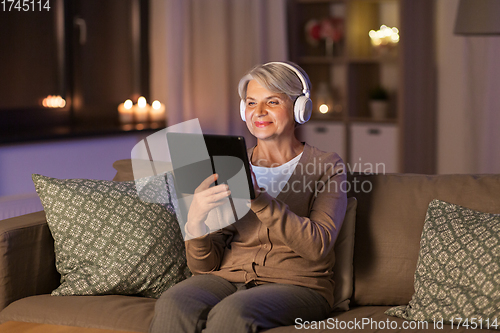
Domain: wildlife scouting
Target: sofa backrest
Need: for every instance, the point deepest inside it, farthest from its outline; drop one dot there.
(27, 261)
(389, 221)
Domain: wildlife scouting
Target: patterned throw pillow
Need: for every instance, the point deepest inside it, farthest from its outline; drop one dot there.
(458, 269)
(110, 240)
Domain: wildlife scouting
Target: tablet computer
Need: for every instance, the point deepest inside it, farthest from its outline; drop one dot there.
(196, 156)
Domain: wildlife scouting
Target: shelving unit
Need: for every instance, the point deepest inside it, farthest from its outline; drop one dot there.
(352, 68)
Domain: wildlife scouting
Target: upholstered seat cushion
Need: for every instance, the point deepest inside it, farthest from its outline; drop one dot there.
(135, 314)
(128, 313)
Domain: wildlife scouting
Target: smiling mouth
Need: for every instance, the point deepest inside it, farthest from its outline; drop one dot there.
(262, 123)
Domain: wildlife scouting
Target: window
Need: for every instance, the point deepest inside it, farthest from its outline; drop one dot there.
(91, 53)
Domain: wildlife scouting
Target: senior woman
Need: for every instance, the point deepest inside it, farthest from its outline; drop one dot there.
(274, 265)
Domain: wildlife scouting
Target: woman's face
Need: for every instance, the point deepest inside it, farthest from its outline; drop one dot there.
(268, 115)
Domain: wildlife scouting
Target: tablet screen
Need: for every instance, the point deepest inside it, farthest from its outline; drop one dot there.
(195, 157)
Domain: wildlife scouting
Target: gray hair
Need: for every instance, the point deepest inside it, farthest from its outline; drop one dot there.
(277, 78)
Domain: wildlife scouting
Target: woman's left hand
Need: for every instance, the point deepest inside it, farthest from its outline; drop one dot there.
(205, 198)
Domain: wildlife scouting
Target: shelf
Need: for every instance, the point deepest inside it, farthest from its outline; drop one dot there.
(377, 1)
(78, 131)
(373, 60)
(327, 118)
(371, 120)
(308, 2)
(326, 60)
(353, 69)
(322, 60)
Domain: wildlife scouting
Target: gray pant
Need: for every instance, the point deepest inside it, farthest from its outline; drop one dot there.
(210, 303)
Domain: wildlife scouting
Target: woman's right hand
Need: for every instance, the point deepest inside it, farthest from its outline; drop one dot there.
(205, 199)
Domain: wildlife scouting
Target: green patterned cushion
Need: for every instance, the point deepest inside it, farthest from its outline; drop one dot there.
(458, 269)
(109, 241)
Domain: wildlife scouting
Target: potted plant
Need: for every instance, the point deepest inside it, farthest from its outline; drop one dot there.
(379, 102)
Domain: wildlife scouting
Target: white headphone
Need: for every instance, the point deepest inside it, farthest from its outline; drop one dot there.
(302, 107)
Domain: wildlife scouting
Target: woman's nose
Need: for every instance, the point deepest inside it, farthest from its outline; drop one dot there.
(260, 110)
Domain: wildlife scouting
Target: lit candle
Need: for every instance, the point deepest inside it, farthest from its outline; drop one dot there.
(126, 112)
(141, 110)
(157, 111)
(323, 108)
(54, 102)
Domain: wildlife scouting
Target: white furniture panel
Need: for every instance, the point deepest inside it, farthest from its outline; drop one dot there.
(326, 136)
(374, 146)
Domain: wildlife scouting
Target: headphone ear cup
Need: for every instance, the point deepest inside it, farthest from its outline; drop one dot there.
(243, 106)
(302, 109)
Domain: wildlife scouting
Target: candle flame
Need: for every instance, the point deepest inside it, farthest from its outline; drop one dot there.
(55, 101)
(141, 101)
(128, 104)
(323, 108)
(156, 105)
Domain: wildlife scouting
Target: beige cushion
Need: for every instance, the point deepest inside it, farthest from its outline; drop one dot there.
(344, 251)
(389, 222)
(107, 312)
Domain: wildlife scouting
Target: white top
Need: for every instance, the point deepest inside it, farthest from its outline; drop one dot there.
(274, 179)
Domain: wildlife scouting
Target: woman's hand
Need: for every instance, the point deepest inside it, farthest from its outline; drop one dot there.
(205, 199)
(256, 187)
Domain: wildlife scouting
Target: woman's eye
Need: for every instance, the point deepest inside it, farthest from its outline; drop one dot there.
(274, 102)
(250, 103)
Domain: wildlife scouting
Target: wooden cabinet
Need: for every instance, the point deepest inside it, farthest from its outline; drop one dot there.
(330, 40)
(374, 148)
(327, 136)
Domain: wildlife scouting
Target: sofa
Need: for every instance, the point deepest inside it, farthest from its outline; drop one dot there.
(389, 219)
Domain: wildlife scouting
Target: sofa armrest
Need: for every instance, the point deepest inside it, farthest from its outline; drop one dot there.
(27, 260)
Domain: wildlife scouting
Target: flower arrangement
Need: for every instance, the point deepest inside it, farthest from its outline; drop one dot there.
(329, 29)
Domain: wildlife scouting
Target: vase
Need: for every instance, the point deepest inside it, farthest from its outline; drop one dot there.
(378, 109)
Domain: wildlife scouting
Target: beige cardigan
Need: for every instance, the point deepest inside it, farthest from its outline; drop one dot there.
(287, 240)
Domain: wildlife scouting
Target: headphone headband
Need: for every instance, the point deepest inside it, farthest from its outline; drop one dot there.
(305, 88)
